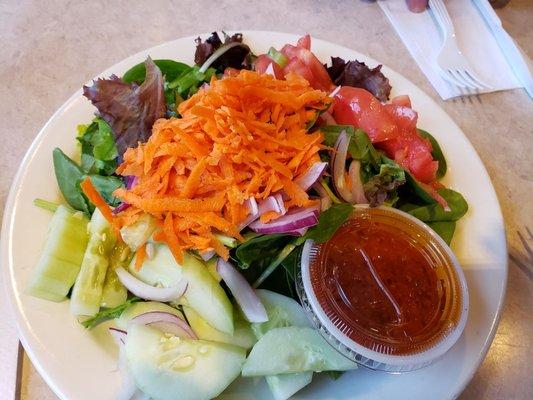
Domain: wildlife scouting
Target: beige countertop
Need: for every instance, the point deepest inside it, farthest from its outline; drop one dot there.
(49, 48)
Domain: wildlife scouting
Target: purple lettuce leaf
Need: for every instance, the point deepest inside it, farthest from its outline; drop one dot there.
(129, 109)
(239, 57)
(357, 74)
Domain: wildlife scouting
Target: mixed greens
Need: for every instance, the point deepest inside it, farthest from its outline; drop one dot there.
(224, 302)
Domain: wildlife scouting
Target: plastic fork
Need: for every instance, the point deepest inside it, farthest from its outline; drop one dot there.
(452, 64)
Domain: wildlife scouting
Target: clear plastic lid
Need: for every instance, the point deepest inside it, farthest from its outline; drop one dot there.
(347, 328)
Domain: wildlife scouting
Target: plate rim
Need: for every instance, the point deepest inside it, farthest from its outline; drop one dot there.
(6, 248)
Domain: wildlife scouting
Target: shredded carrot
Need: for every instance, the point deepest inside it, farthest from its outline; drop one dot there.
(92, 194)
(244, 136)
(140, 255)
(269, 216)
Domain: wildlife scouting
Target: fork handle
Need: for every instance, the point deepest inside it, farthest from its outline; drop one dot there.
(442, 16)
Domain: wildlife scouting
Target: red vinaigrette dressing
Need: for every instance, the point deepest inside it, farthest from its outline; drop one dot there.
(383, 283)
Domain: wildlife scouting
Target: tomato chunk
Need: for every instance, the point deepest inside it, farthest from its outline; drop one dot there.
(302, 62)
(261, 65)
(358, 107)
(391, 127)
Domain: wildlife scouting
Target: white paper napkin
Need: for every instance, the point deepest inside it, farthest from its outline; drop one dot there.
(422, 37)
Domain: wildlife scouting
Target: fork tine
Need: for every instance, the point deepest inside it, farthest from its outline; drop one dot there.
(462, 73)
(476, 79)
(460, 79)
(446, 75)
(441, 13)
(529, 233)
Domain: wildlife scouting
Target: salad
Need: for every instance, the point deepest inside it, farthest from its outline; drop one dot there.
(193, 194)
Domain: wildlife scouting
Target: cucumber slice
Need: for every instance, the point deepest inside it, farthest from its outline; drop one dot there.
(242, 334)
(204, 294)
(282, 311)
(114, 292)
(161, 269)
(61, 258)
(284, 386)
(142, 307)
(166, 367)
(138, 233)
(293, 349)
(87, 293)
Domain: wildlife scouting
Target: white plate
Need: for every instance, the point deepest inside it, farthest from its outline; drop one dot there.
(80, 365)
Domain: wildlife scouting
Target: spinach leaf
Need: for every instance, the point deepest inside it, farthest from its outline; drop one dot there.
(258, 258)
(68, 175)
(109, 313)
(445, 229)
(169, 68)
(106, 185)
(328, 223)
(98, 150)
(292, 262)
(435, 212)
(415, 191)
(259, 250)
(436, 153)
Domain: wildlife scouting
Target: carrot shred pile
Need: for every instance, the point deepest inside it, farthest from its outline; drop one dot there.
(243, 136)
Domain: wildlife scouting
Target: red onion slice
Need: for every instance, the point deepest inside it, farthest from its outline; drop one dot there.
(206, 256)
(269, 204)
(119, 336)
(251, 204)
(338, 162)
(312, 175)
(121, 207)
(295, 219)
(148, 292)
(327, 118)
(253, 213)
(165, 322)
(358, 192)
(130, 181)
(281, 204)
(334, 92)
(251, 306)
(298, 232)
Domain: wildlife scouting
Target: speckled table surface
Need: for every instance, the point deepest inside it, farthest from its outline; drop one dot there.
(49, 48)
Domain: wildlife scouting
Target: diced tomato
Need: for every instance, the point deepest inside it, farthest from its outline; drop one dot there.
(358, 107)
(302, 62)
(296, 66)
(391, 127)
(263, 61)
(229, 71)
(405, 117)
(402, 100)
(304, 42)
(300, 57)
(413, 152)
